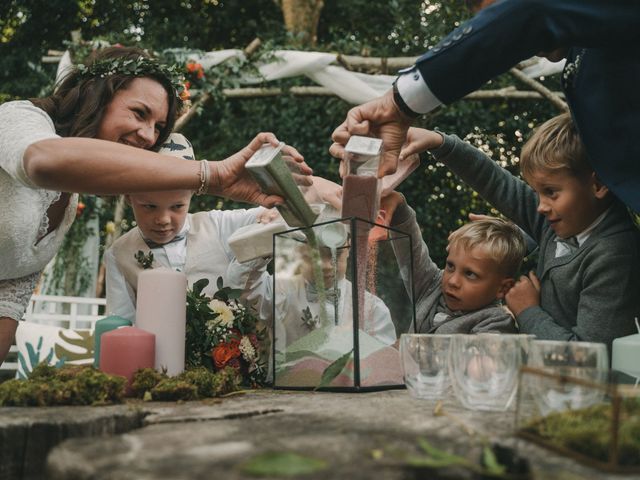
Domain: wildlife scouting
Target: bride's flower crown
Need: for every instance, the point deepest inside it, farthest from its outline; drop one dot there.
(139, 67)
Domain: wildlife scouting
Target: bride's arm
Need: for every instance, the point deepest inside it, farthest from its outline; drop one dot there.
(86, 165)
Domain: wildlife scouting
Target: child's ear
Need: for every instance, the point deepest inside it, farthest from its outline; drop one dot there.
(600, 190)
(505, 286)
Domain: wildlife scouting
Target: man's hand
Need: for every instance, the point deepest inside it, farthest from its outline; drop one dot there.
(524, 294)
(379, 118)
(229, 177)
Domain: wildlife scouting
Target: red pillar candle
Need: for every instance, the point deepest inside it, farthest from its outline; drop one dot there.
(125, 350)
(161, 309)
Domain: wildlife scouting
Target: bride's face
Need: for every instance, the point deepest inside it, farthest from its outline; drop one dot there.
(136, 114)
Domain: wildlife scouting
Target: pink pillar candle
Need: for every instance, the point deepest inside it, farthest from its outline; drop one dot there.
(161, 309)
(125, 350)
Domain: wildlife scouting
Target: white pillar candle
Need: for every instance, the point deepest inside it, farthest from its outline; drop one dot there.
(161, 310)
(626, 353)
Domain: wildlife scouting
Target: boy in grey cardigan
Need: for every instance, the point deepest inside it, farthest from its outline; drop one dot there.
(587, 280)
(482, 262)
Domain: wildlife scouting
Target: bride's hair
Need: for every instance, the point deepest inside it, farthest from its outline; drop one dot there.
(79, 101)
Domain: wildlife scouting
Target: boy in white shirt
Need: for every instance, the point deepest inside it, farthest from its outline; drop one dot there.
(195, 244)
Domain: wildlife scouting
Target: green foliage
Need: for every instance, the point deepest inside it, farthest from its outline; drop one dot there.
(173, 389)
(199, 338)
(69, 385)
(588, 431)
(144, 380)
(145, 261)
(192, 384)
(282, 464)
(432, 458)
(333, 370)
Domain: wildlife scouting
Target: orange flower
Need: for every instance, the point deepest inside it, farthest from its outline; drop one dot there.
(193, 67)
(185, 94)
(223, 353)
(80, 208)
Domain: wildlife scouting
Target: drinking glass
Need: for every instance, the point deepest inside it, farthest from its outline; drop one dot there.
(580, 360)
(484, 369)
(557, 353)
(425, 364)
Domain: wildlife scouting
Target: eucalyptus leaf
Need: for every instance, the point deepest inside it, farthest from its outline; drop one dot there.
(441, 455)
(491, 463)
(284, 464)
(199, 286)
(429, 462)
(333, 370)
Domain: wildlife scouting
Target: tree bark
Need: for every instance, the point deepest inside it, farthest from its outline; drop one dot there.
(301, 19)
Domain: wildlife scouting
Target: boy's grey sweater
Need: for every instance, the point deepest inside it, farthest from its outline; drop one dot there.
(590, 295)
(428, 289)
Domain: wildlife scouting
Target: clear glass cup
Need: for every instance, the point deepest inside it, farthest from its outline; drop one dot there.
(484, 369)
(557, 353)
(425, 364)
(579, 360)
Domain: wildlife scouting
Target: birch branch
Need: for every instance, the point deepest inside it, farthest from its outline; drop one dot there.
(553, 97)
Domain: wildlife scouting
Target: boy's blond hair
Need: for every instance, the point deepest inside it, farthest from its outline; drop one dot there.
(554, 145)
(501, 240)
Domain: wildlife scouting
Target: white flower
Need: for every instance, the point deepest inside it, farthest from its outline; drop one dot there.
(225, 315)
(247, 350)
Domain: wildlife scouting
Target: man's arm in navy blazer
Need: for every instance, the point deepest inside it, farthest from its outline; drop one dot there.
(497, 38)
(510, 31)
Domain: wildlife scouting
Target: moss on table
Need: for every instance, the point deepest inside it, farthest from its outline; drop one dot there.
(588, 431)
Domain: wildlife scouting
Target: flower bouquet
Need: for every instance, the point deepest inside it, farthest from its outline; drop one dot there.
(222, 332)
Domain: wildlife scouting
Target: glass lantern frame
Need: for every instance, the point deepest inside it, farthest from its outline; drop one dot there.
(355, 225)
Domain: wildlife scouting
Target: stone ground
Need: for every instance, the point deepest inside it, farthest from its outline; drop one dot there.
(359, 435)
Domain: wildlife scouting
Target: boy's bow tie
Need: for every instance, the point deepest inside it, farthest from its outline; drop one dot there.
(152, 244)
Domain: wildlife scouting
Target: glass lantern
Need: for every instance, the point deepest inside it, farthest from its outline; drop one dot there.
(588, 414)
(341, 301)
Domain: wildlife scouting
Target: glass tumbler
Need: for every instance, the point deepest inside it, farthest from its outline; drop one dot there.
(425, 364)
(484, 369)
(580, 360)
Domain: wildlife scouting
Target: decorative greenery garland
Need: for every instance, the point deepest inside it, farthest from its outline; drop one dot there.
(140, 67)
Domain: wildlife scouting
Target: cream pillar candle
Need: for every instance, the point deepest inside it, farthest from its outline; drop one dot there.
(161, 310)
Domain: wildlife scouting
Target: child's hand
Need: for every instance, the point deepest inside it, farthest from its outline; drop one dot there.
(420, 140)
(524, 294)
(330, 192)
(474, 217)
(268, 215)
(406, 165)
(388, 205)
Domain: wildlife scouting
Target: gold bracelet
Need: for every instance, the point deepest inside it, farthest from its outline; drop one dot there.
(204, 178)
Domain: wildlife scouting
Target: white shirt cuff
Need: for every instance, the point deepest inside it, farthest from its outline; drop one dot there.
(416, 93)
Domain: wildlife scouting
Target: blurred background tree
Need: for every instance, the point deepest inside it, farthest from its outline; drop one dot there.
(389, 28)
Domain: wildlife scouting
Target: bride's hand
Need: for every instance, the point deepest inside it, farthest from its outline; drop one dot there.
(230, 178)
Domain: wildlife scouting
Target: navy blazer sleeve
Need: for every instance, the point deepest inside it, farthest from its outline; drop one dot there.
(510, 31)
(600, 78)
